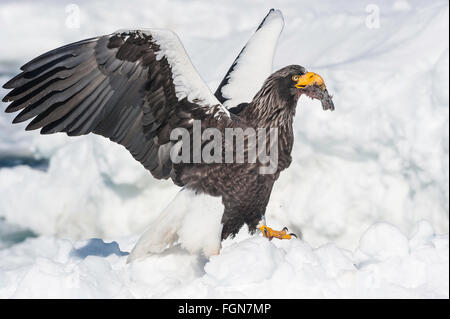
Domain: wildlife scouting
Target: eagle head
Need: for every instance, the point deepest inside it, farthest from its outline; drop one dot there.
(294, 81)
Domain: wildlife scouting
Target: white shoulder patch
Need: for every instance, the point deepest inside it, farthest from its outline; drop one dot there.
(187, 82)
(254, 64)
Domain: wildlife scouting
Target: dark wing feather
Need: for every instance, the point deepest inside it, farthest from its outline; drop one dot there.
(120, 86)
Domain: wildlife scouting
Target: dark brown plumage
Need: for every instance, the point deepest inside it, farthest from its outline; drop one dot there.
(126, 87)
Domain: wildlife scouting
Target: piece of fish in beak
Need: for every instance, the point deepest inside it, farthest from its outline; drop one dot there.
(321, 94)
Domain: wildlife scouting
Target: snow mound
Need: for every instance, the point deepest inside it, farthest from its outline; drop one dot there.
(247, 267)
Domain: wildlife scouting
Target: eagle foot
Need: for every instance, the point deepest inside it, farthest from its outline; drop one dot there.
(270, 233)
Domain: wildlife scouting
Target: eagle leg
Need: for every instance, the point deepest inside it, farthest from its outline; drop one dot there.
(270, 233)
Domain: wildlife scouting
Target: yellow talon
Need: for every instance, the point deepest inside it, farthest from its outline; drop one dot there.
(270, 233)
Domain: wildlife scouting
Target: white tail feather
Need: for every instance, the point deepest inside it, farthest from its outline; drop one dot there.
(193, 221)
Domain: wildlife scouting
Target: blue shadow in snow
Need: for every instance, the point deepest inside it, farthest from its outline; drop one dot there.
(97, 247)
(40, 164)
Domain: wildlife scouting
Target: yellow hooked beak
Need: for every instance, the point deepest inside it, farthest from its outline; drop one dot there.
(310, 78)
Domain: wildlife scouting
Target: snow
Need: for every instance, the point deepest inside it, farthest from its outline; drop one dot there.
(246, 267)
(368, 186)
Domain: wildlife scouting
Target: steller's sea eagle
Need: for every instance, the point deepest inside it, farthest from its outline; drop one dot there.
(136, 87)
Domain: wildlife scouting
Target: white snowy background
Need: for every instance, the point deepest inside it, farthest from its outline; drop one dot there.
(368, 186)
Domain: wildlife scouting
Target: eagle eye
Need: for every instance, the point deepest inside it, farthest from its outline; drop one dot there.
(295, 78)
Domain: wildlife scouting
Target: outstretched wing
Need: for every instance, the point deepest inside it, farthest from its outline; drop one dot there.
(133, 87)
(253, 65)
